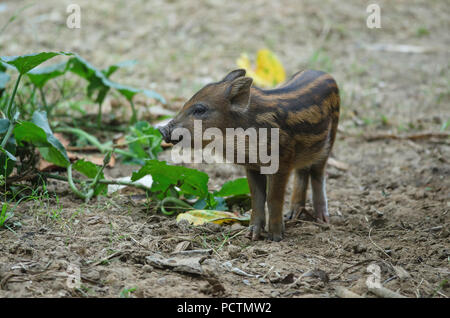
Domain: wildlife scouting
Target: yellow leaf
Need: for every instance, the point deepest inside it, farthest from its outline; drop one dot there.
(199, 217)
(268, 72)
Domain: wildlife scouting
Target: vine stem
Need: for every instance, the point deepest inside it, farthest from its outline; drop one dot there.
(72, 185)
(8, 110)
(99, 116)
(179, 204)
(44, 101)
(133, 119)
(94, 141)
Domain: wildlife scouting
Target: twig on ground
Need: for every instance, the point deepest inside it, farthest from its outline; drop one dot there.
(338, 164)
(385, 293)
(107, 258)
(343, 292)
(419, 136)
(377, 246)
(351, 266)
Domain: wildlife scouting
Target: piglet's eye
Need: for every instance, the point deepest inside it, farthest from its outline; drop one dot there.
(199, 110)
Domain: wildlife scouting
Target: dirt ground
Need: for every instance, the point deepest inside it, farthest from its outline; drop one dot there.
(389, 210)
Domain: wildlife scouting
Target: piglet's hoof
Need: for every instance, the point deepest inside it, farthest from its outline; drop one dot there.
(303, 214)
(323, 218)
(275, 237)
(254, 232)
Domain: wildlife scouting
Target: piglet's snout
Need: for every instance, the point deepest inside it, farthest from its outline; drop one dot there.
(166, 133)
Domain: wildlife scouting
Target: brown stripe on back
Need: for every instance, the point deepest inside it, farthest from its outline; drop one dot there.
(292, 98)
(267, 118)
(307, 128)
(311, 139)
(313, 114)
(296, 87)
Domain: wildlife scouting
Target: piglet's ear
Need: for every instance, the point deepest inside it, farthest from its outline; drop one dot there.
(238, 92)
(233, 75)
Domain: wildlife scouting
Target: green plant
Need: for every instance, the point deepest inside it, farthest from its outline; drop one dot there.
(422, 31)
(5, 215)
(126, 292)
(177, 186)
(92, 188)
(143, 140)
(37, 131)
(175, 182)
(20, 137)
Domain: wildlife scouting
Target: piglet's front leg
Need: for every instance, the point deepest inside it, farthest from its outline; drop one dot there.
(257, 183)
(275, 199)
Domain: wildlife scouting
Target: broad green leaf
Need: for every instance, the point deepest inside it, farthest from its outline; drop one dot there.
(94, 76)
(190, 181)
(112, 68)
(211, 202)
(234, 187)
(42, 75)
(83, 68)
(90, 170)
(129, 92)
(30, 132)
(25, 63)
(40, 119)
(38, 133)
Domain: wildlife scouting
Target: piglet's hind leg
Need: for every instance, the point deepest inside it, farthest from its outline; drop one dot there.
(319, 192)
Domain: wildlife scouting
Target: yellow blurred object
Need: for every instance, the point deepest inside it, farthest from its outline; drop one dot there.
(268, 72)
(199, 217)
